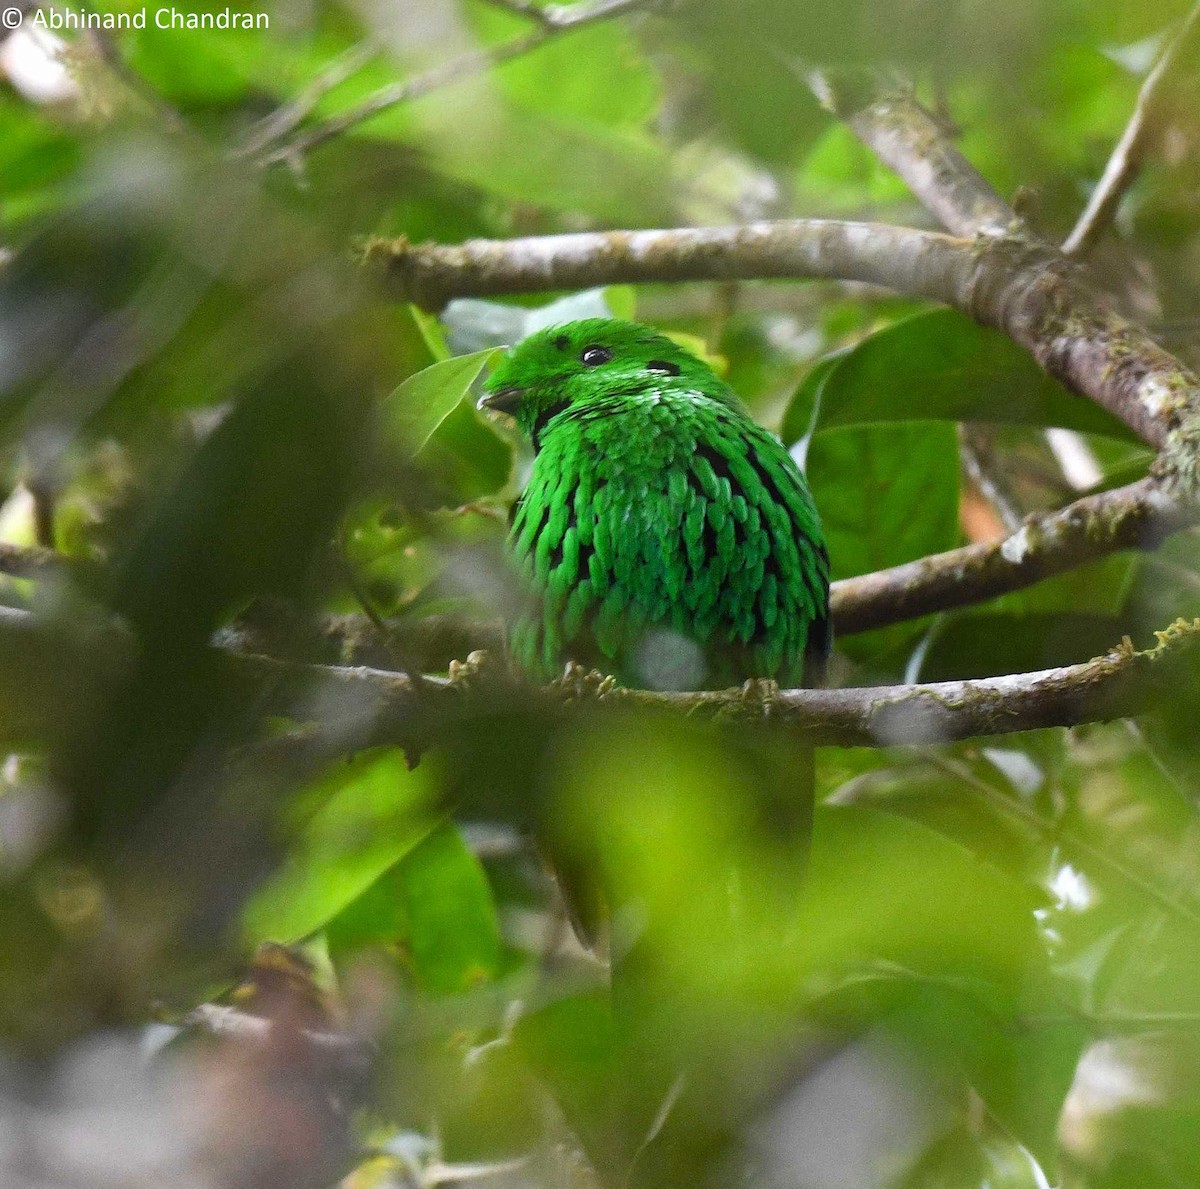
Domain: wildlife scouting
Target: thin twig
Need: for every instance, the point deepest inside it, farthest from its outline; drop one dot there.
(553, 22)
(1127, 158)
(107, 50)
(457, 69)
(916, 146)
(978, 454)
(524, 8)
(282, 120)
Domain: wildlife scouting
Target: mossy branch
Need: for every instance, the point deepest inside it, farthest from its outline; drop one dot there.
(1122, 683)
(915, 144)
(1138, 516)
(363, 706)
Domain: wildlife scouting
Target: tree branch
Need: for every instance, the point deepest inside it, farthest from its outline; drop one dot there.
(899, 258)
(1139, 516)
(29, 561)
(552, 22)
(1135, 517)
(274, 127)
(909, 139)
(1127, 158)
(361, 707)
(1024, 288)
(1122, 683)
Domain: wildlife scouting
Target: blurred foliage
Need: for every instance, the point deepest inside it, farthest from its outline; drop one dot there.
(970, 965)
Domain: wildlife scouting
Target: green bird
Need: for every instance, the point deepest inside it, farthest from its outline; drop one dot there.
(664, 537)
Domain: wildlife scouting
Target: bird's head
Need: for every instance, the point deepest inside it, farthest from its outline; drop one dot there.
(592, 360)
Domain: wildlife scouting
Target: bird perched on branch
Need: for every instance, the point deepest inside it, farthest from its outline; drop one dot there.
(666, 538)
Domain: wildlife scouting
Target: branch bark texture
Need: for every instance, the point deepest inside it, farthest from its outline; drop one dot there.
(1138, 516)
(1154, 101)
(1117, 685)
(1025, 288)
(1122, 683)
(915, 145)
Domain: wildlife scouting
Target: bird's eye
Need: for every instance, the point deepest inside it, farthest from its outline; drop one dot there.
(595, 356)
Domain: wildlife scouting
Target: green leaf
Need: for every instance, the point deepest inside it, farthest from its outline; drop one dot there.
(464, 458)
(453, 935)
(414, 411)
(621, 301)
(941, 365)
(370, 813)
(886, 494)
(1099, 588)
(433, 337)
(941, 950)
(884, 888)
(437, 901)
(980, 645)
(595, 74)
(800, 415)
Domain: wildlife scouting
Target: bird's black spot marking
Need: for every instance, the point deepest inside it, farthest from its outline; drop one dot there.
(767, 479)
(594, 356)
(709, 542)
(539, 424)
(542, 522)
(817, 648)
(663, 365)
(718, 462)
(562, 342)
(556, 553)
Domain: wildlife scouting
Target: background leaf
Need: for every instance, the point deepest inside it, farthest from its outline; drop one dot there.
(887, 494)
(940, 364)
(414, 411)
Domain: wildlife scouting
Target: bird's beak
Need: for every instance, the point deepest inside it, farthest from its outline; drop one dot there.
(503, 400)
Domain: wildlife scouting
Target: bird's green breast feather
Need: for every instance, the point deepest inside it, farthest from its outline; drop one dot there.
(674, 511)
